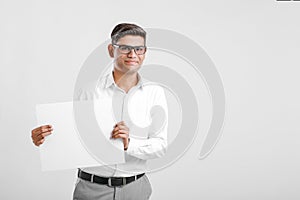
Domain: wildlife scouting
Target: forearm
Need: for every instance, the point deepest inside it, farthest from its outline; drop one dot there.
(154, 147)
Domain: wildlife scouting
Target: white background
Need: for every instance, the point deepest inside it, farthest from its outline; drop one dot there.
(254, 44)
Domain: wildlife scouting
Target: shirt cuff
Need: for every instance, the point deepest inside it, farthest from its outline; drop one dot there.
(134, 144)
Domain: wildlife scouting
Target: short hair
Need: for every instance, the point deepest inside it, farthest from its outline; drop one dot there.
(123, 29)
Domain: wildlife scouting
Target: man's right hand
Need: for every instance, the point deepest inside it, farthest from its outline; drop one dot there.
(38, 134)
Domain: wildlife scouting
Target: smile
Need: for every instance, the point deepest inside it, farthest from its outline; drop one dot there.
(131, 62)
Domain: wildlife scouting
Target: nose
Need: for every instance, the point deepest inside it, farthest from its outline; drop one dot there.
(132, 54)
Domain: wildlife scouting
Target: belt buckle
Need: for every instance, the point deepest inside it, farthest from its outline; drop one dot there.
(109, 182)
(92, 178)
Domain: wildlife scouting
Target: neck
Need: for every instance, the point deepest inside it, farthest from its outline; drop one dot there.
(125, 81)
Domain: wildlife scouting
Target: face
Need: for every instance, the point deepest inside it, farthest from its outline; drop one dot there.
(130, 62)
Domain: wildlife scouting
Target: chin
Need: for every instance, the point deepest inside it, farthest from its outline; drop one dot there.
(133, 69)
(128, 68)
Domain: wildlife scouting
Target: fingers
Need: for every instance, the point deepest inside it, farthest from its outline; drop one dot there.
(119, 129)
(38, 134)
(40, 142)
(120, 134)
(120, 123)
(42, 127)
(42, 135)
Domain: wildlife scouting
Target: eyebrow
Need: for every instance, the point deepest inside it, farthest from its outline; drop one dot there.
(129, 45)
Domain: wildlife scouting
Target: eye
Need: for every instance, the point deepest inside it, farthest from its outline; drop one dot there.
(125, 48)
(139, 49)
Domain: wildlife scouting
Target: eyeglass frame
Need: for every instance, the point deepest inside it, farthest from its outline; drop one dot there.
(131, 47)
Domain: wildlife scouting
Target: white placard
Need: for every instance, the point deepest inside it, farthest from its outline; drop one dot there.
(63, 148)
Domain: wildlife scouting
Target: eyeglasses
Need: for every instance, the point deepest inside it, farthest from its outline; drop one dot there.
(125, 49)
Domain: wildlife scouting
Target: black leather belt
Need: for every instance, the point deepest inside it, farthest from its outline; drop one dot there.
(111, 181)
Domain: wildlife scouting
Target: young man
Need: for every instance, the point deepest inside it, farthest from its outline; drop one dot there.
(126, 180)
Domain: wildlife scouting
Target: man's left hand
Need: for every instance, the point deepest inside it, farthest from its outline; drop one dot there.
(121, 131)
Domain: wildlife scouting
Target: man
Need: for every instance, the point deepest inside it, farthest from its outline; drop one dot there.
(127, 180)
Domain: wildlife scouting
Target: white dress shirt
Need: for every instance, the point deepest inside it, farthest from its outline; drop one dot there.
(148, 137)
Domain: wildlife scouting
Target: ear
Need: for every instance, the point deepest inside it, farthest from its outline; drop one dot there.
(110, 50)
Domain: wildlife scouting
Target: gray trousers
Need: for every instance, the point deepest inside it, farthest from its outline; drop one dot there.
(137, 190)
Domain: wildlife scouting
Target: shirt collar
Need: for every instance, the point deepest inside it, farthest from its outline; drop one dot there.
(110, 81)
